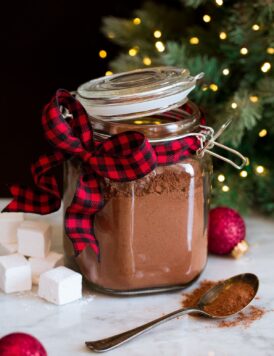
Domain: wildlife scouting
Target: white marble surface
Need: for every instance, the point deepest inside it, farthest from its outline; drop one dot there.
(63, 329)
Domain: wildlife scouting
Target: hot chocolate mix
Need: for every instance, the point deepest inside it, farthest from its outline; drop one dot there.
(151, 231)
(230, 301)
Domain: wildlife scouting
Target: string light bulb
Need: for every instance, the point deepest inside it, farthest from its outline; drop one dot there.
(225, 71)
(160, 46)
(194, 40)
(132, 52)
(222, 35)
(234, 105)
(243, 174)
(111, 35)
(265, 67)
(213, 87)
(263, 133)
(219, 2)
(108, 72)
(157, 34)
(147, 61)
(270, 50)
(260, 169)
(244, 51)
(206, 18)
(247, 161)
(255, 27)
(221, 178)
(103, 53)
(136, 21)
(225, 188)
(253, 98)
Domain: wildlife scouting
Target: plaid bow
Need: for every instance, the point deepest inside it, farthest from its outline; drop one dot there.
(123, 157)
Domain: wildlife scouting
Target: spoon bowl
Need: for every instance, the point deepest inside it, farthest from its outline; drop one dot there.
(212, 294)
(205, 301)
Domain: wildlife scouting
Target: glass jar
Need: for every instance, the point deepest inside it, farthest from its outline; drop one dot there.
(152, 232)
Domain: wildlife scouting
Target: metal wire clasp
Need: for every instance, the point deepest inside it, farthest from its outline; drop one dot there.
(208, 141)
(65, 112)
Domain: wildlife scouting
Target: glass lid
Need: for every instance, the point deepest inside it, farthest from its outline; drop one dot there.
(136, 93)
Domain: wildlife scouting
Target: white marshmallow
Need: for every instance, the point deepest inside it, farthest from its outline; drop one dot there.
(9, 223)
(41, 265)
(15, 273)
(7, 248)
(60, 285)
(34, 238)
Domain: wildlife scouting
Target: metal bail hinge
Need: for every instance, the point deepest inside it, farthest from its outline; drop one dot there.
(207, 145)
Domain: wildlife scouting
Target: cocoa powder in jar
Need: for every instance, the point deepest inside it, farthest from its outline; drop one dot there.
(152, 231)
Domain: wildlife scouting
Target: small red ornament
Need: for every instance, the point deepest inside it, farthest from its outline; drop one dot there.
(21, 344)
(226, 232)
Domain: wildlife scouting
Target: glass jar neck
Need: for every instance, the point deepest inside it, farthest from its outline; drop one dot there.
(160, 127)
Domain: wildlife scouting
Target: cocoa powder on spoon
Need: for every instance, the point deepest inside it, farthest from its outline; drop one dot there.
(229, 301)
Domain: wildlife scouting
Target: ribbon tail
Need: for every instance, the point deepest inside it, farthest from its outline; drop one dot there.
(80, 230)
(79, 217)
(45, 198)
(29, 200)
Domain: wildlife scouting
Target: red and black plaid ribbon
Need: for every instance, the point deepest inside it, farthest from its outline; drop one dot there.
(123, 157)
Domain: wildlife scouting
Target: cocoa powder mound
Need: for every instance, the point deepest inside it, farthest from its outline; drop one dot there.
(229, 301)
(165, 180)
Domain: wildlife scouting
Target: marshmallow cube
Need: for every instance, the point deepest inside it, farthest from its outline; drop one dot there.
(41, 265)
(60, 285)
(7, 248)
(9, 223)
(34, 238)
(15, 273)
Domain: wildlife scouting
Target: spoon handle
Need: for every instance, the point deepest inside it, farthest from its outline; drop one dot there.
(116, 340)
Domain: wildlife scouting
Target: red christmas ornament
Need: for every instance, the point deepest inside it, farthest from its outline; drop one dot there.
(21, 344)
(226, 232)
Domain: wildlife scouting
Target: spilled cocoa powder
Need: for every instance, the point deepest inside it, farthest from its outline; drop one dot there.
(230, 301)
(192, 298)
(244, 318)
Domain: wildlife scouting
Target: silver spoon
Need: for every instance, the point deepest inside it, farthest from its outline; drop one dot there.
(116, 340)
